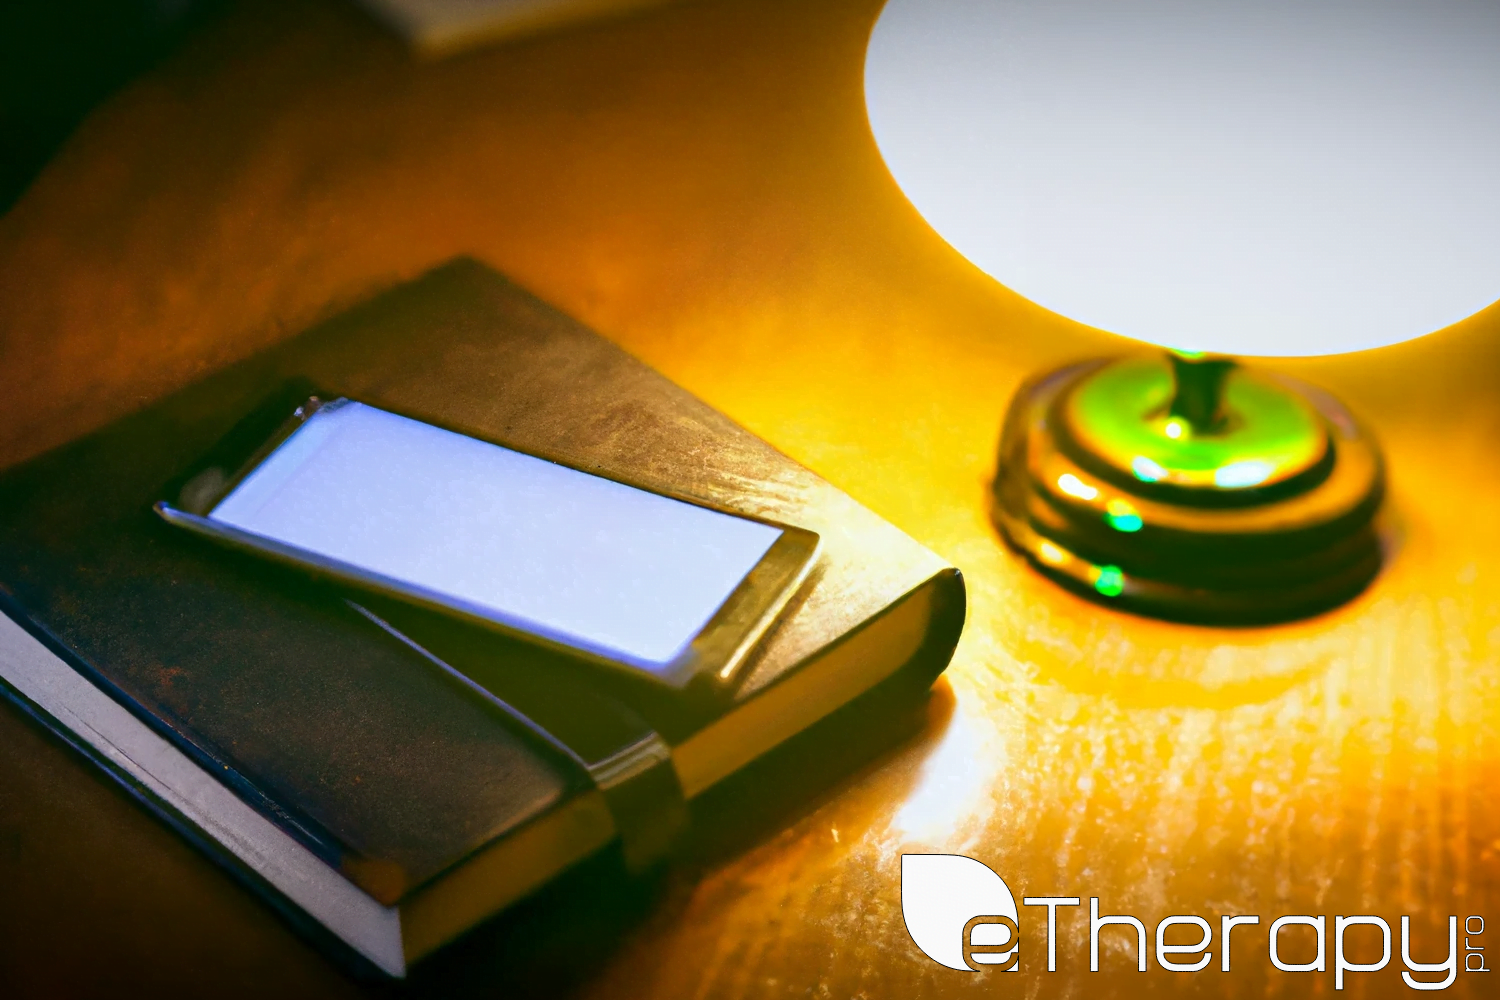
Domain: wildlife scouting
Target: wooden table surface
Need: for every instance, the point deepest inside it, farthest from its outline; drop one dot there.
(699, 184)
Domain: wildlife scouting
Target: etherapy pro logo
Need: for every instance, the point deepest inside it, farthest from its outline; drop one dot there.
(959, 912)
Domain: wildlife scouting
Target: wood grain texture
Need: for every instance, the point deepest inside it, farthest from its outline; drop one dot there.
(700, 185)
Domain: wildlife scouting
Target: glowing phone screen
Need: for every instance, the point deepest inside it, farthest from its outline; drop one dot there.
(510, 537)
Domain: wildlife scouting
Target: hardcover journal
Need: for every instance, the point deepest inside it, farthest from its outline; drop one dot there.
(385, 775)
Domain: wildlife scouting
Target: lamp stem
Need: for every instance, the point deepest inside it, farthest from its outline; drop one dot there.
(1199, 396)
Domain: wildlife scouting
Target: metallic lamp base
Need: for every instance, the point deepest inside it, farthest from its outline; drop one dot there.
(1210, 494)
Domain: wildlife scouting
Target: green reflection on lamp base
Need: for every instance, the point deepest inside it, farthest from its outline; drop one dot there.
(1110, 581)
(1190, 488)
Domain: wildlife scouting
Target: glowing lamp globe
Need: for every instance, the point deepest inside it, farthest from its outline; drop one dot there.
(1272, 178)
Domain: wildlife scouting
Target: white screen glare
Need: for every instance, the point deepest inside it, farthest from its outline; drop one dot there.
(517, 539)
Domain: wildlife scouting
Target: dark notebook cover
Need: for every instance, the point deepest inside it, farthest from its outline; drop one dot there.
(393, 743)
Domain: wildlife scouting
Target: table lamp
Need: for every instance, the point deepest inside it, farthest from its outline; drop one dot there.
(1219, 179)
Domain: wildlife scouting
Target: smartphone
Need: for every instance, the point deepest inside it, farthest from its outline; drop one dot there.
(673, 590)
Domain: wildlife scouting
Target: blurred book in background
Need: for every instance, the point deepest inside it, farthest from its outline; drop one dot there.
(441, 27)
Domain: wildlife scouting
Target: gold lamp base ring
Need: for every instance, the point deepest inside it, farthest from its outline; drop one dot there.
(1191, 489)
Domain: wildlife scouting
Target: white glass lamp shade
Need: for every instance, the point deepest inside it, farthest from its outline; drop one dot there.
(1275, 178)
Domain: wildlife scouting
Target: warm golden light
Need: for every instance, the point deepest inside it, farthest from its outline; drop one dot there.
(1344, 764)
